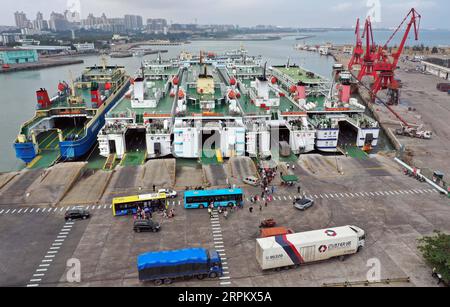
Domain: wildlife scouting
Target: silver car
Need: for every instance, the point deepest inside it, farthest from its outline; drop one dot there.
(303, 203)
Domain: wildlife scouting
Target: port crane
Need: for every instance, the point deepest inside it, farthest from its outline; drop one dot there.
(386, 64)
(358, 51)
(370, 56)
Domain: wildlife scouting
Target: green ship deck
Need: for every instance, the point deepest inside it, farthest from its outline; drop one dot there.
(297, 74)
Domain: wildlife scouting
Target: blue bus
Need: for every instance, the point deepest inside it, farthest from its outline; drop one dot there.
(220, 198)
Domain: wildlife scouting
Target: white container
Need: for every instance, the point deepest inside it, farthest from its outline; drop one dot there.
(300, 248)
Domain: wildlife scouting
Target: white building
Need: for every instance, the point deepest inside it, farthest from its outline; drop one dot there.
(84, 47)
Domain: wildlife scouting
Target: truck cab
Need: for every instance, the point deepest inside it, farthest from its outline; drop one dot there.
(361, 236)
(215, 265)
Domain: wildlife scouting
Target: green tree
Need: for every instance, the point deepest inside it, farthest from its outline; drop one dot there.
(436, 252)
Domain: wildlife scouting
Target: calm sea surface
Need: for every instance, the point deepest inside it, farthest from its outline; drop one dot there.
(18, 89)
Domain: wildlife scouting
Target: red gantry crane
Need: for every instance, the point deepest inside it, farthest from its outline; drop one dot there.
(358, 51)
(386, 64)
(371, 53)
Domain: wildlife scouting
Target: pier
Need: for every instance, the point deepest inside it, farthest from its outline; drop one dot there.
(42, 64)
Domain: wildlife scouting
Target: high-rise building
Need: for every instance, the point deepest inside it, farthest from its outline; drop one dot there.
(133, 22)
(39, 23)
(21, 20)
(58, 22)
(157, 25)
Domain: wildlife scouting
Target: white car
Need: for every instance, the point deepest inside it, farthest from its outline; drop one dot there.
(170, 193)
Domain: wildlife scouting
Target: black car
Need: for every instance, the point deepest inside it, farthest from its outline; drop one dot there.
(146, 226)
(303, 203)
(76, 214)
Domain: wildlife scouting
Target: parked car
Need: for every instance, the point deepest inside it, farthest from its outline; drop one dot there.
(303, 203)
(77, 214)
(251, 181)
(146, 226)
(170, 193)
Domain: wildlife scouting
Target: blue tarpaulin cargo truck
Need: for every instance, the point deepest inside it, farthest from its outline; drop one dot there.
(165, 266)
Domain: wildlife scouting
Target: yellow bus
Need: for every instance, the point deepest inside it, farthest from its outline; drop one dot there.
(128, 205)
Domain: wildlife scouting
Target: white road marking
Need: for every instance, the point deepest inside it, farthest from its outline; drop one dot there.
(225, 277)
(44, 265)
(7, 211)
(2, 211)
(225, 283)
(38, 275)
(47, 260)
(19, 211)
(52, 252)
(219, 246)
(32, 285)
(55, 248)
(35, 280)
(41, 270)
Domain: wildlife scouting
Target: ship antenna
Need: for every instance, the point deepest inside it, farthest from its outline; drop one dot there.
(265, 67)
(72, 83)
(104, 62)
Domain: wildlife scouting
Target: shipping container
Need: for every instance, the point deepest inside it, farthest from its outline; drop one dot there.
(301, 248)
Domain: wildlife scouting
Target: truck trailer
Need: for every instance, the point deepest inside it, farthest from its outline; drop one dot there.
(292, 250)
(166, 266)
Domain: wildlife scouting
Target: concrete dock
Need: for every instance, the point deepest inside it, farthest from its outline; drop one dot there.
(42, 64)
(371, 193)
(422, 105)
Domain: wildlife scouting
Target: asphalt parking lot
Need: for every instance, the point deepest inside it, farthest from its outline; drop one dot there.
(394, 210)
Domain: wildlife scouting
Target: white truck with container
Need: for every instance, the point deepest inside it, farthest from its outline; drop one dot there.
(296, 249)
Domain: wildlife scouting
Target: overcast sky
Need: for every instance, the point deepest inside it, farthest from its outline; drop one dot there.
(295, 13)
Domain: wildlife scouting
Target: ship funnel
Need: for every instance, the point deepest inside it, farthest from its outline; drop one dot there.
(43, 98)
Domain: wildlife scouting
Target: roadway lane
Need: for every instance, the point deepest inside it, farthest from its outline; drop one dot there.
(26, 239)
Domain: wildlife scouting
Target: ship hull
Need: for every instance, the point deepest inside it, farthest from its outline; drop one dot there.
(72, 150)
(25, 151)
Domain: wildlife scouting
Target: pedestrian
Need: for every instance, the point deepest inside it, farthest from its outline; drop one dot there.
(265, 205)
(287, 166)
(273, 189)
(250, 209)
(220, 210)
(225, 214)
(260, 207)
(210, 212)
(154, 188)
(299, 189)
(293, 167)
